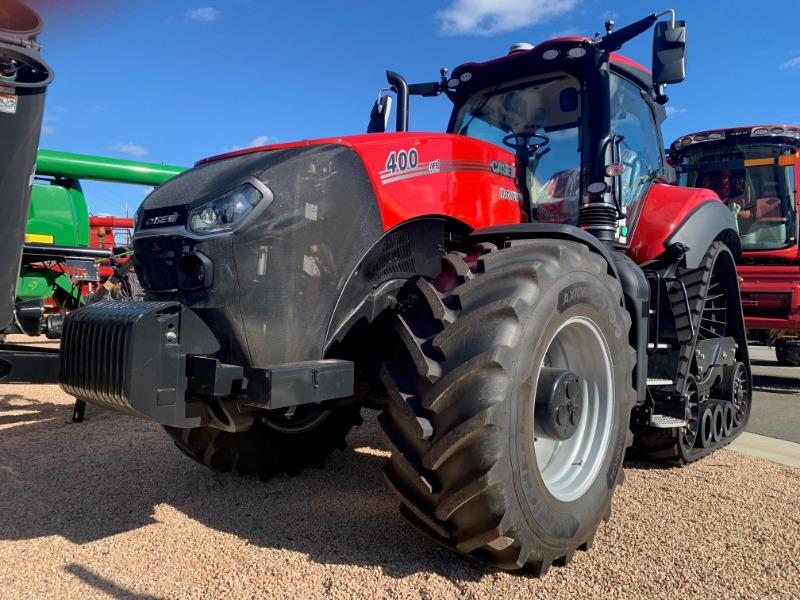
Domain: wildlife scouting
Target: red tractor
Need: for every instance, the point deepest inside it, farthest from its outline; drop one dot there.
(756, 172)
(289, 286)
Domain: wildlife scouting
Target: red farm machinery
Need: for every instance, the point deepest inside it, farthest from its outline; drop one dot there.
(755, 170)
(521, 297)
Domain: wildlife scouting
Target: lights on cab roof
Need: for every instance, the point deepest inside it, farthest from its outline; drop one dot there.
(551, 54)
(576, 52)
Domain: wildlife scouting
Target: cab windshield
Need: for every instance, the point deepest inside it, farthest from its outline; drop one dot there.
(547, 108)
(756, 185)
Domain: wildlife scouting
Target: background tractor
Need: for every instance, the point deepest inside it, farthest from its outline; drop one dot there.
(755, 170)
(513, 361)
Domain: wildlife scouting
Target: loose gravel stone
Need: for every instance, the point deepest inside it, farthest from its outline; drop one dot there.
(109, 508)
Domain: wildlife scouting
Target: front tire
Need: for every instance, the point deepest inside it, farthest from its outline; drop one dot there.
(270, 446)
(473, 467)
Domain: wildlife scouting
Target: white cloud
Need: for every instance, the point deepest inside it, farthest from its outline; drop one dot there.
(674, 110)
(47, 127)
(203, 14)
(261, 140)
(130, 148)
(792, 62)
(487, 17)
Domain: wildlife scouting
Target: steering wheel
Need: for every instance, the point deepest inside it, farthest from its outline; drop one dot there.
(530, 141)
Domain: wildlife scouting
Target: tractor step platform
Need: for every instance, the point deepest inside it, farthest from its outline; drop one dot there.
(666, 422)
(661, 346)
(656, 381)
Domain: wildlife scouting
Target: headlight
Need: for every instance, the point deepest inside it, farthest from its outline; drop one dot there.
(222, 213)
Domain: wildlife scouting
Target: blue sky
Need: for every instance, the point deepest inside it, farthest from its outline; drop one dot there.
(174, 81)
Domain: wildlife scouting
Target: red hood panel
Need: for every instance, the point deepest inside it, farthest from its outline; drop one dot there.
(418, 174)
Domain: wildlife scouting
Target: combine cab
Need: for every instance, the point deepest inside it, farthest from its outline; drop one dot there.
(513, 359)
(756, 173)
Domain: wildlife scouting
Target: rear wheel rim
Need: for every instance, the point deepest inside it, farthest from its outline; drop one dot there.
(568, 468)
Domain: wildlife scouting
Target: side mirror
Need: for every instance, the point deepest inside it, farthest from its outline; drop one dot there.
(379, 116)
(669, 52)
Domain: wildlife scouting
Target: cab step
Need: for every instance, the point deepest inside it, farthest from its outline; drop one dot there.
(657, 381)
(666, 422)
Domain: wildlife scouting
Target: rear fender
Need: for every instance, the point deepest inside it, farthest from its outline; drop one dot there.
(693, 217)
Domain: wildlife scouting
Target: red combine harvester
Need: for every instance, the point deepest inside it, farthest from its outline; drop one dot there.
(114, 233)
(522, 297)
(756, 172)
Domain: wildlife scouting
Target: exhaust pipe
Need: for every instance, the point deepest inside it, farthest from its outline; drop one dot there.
(24, 77)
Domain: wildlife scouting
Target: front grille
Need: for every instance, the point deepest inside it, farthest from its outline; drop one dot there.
(157, 257)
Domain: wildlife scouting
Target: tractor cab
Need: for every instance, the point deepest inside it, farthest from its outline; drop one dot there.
(754, 171)
(541, 119)
(581, 121)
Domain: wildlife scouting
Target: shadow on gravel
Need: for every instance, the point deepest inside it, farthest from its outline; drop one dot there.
(15, 408)
(107, 475)
(776, 383)
(104, 585)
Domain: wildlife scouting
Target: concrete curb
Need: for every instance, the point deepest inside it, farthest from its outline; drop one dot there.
(771, 449)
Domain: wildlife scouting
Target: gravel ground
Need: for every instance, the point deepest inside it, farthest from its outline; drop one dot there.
(110, 508)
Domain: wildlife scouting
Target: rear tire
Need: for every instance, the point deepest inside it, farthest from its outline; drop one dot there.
(268, 448)
(460, 417)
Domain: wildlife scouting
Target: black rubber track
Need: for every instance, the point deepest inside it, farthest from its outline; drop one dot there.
(668, 444)
(449, 390)
(788, 355)
(263, 451)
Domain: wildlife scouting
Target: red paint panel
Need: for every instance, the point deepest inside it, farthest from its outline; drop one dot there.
(453, 176)
(665, 207)
(770, 296)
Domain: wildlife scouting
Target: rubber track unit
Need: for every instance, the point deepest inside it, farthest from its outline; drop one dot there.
(446, 390)
(665, 444)
(264, 451)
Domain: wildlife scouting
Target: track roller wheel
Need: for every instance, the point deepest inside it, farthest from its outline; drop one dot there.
(707, 428)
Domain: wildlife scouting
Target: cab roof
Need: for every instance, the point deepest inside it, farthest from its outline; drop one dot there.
(516, 62)
(783, 134)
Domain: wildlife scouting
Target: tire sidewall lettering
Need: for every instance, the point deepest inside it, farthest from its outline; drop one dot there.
(550, 517)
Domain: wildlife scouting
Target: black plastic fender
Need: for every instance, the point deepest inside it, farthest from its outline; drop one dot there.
(406, 251)
(545, 230)
(709, 222)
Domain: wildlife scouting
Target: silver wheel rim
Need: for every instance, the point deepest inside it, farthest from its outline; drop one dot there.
(568, 468)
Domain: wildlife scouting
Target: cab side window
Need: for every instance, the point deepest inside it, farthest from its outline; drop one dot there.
(640, 148)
